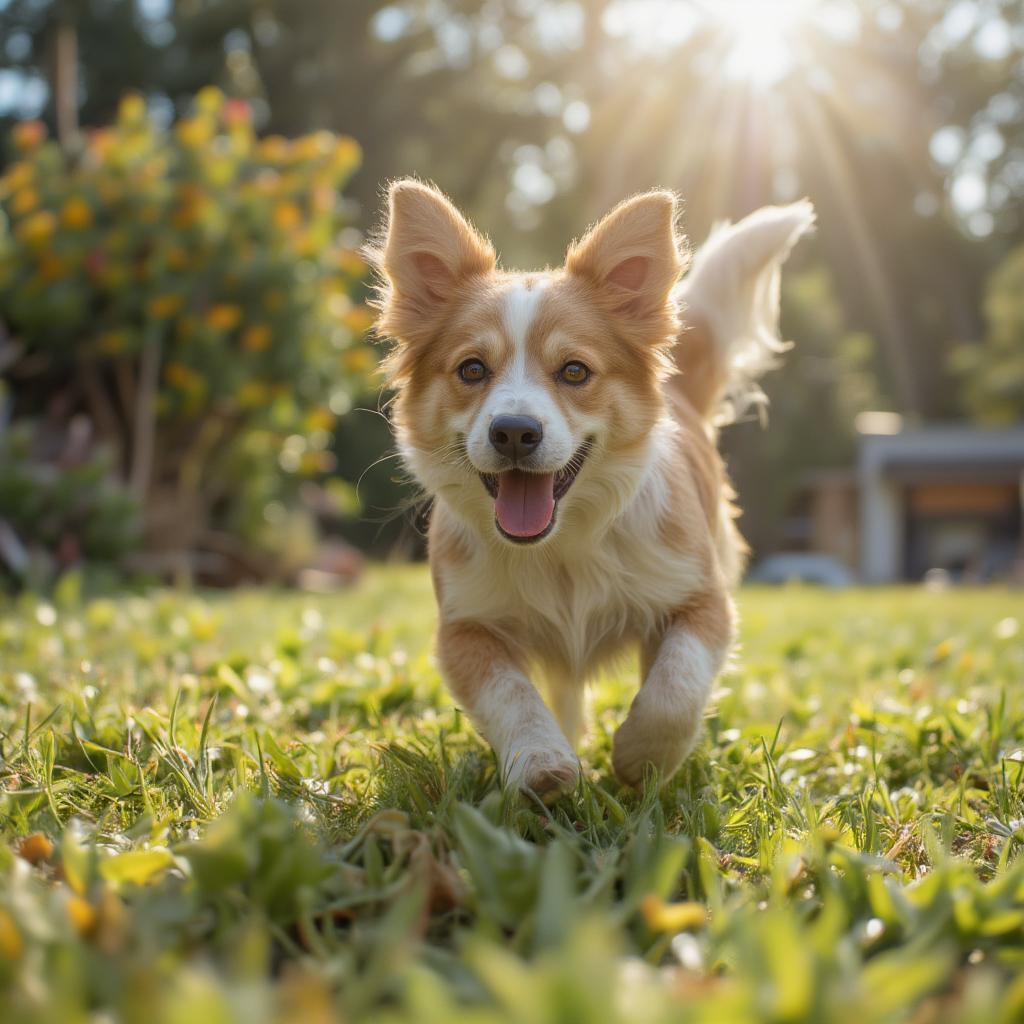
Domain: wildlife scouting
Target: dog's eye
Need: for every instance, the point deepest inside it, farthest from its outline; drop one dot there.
(472, 371)
(574, 373)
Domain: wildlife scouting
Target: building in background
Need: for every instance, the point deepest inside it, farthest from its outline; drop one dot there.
(944, 498)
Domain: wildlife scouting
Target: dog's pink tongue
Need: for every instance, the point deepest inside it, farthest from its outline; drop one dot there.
(525, 503)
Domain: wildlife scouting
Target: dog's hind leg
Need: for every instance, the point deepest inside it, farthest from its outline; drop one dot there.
(664, 719)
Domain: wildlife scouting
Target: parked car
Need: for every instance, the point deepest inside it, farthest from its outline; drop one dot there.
(801, 567)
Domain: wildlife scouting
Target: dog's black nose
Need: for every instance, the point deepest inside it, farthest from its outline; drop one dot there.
(515, 436)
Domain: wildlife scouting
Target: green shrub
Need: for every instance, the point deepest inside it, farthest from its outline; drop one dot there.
(191, 289)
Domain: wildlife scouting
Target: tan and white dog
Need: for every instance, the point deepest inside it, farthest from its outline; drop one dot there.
(564, 423)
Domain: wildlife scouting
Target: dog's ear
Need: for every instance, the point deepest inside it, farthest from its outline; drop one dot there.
(428, 250)
(632, 255)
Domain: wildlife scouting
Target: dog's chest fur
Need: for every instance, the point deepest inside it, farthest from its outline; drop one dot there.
(572, 605)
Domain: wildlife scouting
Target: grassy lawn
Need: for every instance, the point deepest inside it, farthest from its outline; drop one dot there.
(260, 807)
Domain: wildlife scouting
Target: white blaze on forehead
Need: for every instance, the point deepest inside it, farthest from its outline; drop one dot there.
(520, 389)
(521, 303)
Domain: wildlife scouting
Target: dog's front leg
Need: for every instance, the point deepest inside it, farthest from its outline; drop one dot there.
(665, 717)
(490, 682)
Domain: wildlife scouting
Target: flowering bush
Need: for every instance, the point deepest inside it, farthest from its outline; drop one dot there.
(190, 288)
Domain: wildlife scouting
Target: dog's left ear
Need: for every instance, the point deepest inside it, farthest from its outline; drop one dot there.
(632, 255)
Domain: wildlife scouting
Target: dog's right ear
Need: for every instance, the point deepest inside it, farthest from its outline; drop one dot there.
(429, 249)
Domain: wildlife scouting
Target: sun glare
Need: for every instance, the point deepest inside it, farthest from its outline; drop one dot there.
(762, 36)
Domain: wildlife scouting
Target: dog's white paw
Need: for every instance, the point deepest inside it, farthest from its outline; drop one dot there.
(544, 771)
(651, 738)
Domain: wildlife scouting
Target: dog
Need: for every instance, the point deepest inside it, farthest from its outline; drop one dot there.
(564, 423)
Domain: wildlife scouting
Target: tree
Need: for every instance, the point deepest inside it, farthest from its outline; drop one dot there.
(993, 370)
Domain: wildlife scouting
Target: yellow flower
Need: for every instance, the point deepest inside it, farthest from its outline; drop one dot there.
(38, 228)
(77, 214)
(82, 914)
(35, 848)
(194, 131)
(162, 307)
(11, 945)
(309, 147)
(52, 268)
(112, 343)
(351, 263)
(287, 215)
(28, 134)
(132, 109)
(273, 300)
(360, 319)
(209, 99)
(347, 154)
(320, 419)
(177, 258)
(19, 175)
(24, 201)
(357, 359)
(672, 917)
(181, 376)
(274, 149)
(256, 338)
(101, 142)
(224, 317)
(252, 394)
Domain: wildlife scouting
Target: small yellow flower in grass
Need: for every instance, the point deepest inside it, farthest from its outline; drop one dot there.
(273, 300)
(672, 917)
(11, 945)
(82, 914)
(256, 338)
(38, 228)
(25, 201)
(35, 848)
(162, 307)
(132, 109)
(28, 134)
(287, 215)
(224, 317)
(76, 214)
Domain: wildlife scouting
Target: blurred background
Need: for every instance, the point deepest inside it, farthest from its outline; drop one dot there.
(186, 385)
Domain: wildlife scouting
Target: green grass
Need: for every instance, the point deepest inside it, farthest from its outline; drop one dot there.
(263, 808)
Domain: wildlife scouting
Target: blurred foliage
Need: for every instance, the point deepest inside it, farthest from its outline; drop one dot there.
(60, 513)
(256, 808)
(993, 370)
(193, 290)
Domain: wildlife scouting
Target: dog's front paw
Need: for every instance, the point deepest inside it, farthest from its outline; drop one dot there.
(543, 772)
(649, 738)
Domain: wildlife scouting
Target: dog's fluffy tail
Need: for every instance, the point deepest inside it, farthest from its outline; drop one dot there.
(730, 308)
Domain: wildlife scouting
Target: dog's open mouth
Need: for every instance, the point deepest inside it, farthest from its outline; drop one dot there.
(525, 502)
